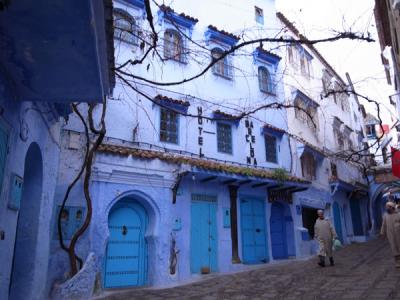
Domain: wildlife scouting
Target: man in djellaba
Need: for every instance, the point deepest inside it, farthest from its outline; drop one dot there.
(325, 234)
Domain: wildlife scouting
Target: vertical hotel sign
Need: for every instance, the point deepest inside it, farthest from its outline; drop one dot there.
(250, 140)
(200, 139)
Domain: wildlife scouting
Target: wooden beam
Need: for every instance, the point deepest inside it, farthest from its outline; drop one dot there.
(244, 181)
(300, 189)
(234, 228)
(229, 181)
(260, 184)
(208, 179)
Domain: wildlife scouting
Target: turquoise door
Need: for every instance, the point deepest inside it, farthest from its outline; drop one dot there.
(337, 221)
(252, 216)
(126, 257)
(203, 241)
(278, 231)
(356, 217)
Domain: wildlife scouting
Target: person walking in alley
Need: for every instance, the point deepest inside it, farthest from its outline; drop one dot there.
(391, 230)
(324, 234)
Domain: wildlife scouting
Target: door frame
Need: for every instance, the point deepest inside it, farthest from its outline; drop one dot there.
(214, 203)
(128, 203)
(284, 237)
(251, 197)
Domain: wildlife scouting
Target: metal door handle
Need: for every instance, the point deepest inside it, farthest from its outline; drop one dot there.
(124, 230)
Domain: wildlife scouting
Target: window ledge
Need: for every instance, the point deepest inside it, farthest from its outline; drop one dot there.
(183, 62)
(223, 76)
(268, 93)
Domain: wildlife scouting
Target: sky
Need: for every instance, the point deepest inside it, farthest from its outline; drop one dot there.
(321, 18)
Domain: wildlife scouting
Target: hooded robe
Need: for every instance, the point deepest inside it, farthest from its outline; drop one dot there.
(391, 229)
(324, 233)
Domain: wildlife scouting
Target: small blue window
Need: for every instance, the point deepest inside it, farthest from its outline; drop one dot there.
(259, 15)
(265, 80)
(169, 126)
(224, 138)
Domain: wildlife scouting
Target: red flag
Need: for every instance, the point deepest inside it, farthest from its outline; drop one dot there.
(395, 162)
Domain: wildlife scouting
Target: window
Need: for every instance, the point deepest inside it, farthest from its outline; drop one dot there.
(290, 54)
(124, 27)
(307, 113)
(271, 148)
(169, 126)
(265, 80)
(224, 138)
(221, 67)
(173, 46)
(259, 15)
(334, 173)
(308, 166)
(371, 133)
(305, 65)
(338, 137)
(326, 82)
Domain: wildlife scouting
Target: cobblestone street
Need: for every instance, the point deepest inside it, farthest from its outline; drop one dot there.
(362, 271)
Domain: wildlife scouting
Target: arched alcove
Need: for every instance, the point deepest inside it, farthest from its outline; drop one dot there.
(27, 226)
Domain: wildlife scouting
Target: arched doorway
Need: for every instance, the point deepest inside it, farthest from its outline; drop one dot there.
(337, 221)
(27, 226)
(282, 233)
(126, 255)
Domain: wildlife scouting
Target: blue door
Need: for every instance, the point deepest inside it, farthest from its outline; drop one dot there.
(254, 246)
(337, 221)
(278, 231)
(126, 257)
(356, 217)
(203, 241)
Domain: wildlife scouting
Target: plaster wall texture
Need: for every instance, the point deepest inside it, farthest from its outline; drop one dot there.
(42, 129)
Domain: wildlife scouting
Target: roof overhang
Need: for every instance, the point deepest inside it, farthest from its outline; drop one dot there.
(57, 51)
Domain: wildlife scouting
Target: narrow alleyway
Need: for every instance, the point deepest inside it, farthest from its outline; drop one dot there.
(362, 271)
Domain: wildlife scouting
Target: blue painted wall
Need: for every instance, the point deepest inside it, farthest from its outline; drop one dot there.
(26, 125)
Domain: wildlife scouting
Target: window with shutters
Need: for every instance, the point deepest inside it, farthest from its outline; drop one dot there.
(169, 126)
(271, 148)
(224, 138)
(308, 166)
(265, 80)
(221, 67)
(173, 46)
(125, 28)
(307, 113)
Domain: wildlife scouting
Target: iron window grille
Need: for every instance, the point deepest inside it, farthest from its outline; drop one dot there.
(125, 28)
(271, 148)
(224, 138)
(169, 126)
(265, 81)
(173, 46)
(221, 67)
